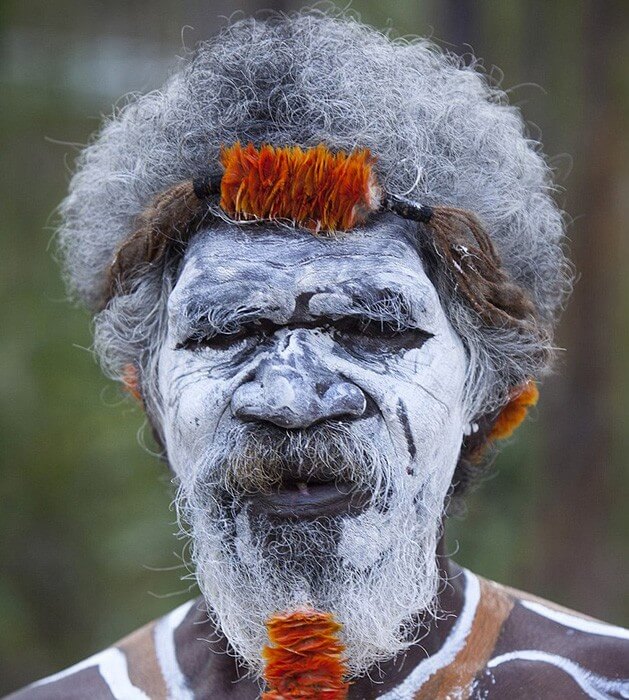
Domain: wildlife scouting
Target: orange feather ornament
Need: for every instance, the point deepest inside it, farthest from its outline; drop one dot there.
(131, 381)
(515, 411)
(304, 659)
(314, 188)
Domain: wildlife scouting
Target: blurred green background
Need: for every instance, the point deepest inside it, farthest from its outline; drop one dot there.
(87, 548)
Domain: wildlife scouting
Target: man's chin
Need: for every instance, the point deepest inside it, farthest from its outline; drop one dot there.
(275, 563)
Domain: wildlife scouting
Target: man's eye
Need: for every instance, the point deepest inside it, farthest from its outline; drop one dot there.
(368, 327)
(373, 334)
(257, 331)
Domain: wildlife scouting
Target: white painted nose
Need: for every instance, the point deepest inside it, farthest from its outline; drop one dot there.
(297, 395)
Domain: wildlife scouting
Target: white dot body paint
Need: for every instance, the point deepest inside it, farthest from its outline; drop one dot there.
(402, 403)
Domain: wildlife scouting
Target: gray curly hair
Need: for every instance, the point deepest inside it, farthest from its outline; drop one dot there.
(441, 133)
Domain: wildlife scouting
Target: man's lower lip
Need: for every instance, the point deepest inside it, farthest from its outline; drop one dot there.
(310, 501)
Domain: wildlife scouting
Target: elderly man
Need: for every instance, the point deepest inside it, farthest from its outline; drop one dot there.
(329, 266)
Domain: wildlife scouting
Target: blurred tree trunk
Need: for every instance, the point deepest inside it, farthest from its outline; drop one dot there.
(574, 564)
(204, 19)
(460, 20)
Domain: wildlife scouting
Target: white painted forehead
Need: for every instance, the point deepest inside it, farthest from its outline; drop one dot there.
(224, 253)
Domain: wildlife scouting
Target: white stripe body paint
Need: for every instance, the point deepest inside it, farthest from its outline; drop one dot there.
(597, 687)
(164, 635)
(451, 647)
(116, 675)
(576, 622)
(112, 666)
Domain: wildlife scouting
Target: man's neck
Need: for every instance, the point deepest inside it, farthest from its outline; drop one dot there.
(430, 634)
(216, 663)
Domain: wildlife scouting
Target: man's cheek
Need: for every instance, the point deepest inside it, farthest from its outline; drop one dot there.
(430, 429)
(192, 409)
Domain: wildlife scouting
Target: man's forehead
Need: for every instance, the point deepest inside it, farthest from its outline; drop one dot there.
(225, 253)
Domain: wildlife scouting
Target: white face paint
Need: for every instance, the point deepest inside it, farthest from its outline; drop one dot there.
(313, 413)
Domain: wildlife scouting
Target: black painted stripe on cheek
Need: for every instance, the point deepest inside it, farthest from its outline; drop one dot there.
(406, 426)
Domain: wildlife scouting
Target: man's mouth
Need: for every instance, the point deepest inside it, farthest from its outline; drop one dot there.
(311, 499)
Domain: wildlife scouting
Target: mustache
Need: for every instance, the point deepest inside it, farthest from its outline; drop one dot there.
(260, 458)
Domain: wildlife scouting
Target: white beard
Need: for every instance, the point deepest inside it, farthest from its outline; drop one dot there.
(376, 572)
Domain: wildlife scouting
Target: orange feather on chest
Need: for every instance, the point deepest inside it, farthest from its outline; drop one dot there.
(304, 658)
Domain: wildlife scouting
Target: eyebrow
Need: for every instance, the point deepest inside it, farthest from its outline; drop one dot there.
(386, 305)
(392, 307)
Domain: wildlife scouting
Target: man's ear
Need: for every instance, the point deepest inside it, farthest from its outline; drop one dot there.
(131, 381)
(131, 384)
(499, 424)
(476, 450)
(511, 415)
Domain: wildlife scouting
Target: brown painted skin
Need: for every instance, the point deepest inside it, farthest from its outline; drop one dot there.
(501, 624)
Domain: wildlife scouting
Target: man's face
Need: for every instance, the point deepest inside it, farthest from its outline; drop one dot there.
(313, 413)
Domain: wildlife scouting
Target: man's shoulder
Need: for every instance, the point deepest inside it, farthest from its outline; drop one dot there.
(142, 665)
(548, 651)
(542, 624)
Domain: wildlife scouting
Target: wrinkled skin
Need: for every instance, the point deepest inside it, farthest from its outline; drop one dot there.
(274, 332)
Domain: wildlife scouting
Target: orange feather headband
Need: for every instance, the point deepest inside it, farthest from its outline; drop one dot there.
(314, 188)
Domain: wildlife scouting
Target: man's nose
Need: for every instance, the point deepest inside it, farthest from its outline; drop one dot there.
(296, 397)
